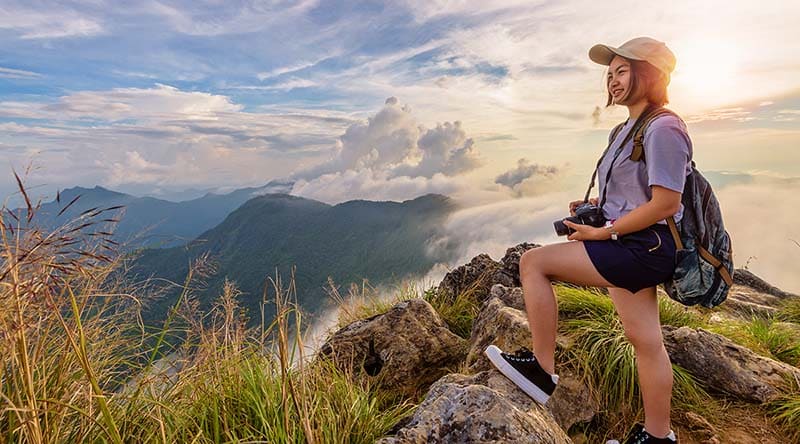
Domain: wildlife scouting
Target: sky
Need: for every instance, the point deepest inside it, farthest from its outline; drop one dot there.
(495, 104)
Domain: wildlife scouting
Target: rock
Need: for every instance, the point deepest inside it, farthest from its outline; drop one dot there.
(477, 276)
(572, 402)
(744, 293)
(747, 278)
(744, 302)
(510, 264)
(700, 428)
(510, 296)
(507, 327)
(482, 408)
(725, 366)
(407, 348)
(497, 324)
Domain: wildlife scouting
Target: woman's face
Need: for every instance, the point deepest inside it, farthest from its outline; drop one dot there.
(619, 79)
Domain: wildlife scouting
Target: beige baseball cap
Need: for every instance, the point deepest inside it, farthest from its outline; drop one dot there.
(641, 48)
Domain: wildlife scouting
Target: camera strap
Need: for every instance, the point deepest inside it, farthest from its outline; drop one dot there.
(639, 122)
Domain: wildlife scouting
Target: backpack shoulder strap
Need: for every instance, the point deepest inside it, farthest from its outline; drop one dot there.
(616, 131)
(638, 138)
(611, 138)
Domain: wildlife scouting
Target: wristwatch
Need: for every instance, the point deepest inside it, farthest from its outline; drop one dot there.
(614, 233)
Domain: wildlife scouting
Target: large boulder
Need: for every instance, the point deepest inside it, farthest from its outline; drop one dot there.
(477, 277)
(509, 272)
(479, 274)
(405, 349)
(498, 324)
(747, 278)
(725, 366)
(482, 408)
(503, 322)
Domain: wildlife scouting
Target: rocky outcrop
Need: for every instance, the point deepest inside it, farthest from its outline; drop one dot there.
(500, 325)
(725, 366)
(748, 279)
(477, 277)
(406, 349)
(510, 261)
(410, 347)
(482, 272)
(502, 322)
(483, 408)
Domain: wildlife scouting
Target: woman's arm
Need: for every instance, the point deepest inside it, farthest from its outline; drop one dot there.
(663, 204)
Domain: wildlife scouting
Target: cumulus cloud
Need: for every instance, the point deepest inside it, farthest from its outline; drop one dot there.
(372, 184)
(136, 169)
(388, 155)
(530, 179)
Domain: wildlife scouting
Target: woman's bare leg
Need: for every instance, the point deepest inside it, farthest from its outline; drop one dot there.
(564, 261)
(640, 319)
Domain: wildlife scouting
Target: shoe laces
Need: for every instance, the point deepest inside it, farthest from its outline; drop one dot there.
(640, 437)
(636, 436)
(522, 354)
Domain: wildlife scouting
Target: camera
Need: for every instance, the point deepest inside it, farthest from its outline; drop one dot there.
(586, 214)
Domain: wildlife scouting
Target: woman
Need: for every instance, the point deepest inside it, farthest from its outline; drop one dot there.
(639, 197)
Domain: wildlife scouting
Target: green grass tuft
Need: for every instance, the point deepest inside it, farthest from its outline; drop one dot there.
(784, 410)
(765, 336)
(789, 310)
(601, 353)
(458, 312)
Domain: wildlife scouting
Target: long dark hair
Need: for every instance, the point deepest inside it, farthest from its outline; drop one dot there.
(646, 81)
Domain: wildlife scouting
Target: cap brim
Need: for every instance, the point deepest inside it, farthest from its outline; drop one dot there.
(604, 54)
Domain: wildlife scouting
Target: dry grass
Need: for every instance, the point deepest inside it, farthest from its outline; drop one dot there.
(78, 365)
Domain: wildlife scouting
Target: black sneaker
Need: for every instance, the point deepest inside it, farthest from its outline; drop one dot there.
(524, 370)
(638, 435)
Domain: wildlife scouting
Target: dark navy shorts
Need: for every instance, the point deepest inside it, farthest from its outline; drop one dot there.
(637, 260)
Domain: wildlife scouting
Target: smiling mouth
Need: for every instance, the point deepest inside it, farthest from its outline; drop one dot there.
(616, 92)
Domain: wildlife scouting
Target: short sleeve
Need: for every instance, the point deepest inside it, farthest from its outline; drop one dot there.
(668, 150)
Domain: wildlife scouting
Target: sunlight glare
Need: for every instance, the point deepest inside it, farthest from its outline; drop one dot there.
(707, 70)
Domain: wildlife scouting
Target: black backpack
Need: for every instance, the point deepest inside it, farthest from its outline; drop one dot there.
(704, 258)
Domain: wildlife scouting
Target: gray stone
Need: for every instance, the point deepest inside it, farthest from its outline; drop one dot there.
(477, 277)
(725, 366)
(747, 278)
(406, 349)
(483, 408)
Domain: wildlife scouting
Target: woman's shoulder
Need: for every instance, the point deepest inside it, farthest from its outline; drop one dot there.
(667, 120)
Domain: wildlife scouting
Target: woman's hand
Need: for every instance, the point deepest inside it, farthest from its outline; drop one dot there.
(574, 204)
(587, 232)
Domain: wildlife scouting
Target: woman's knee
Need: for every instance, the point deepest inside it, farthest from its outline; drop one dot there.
(645, 339)
(530, 261)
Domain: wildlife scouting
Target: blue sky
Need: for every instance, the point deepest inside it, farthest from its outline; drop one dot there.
(390, 100)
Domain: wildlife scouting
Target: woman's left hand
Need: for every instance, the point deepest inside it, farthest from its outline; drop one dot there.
(586, 232)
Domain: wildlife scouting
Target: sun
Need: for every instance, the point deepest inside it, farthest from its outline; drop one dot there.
(707, 71)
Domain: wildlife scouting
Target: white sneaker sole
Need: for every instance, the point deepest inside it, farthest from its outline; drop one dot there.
(493, 353)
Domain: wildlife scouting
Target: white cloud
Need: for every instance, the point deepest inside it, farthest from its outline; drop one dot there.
(208, 19)
(9, 73)
(389, 155)
(532, 179)
(162, 136)
(48, 23)
(292, 68)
